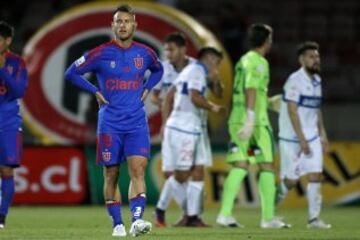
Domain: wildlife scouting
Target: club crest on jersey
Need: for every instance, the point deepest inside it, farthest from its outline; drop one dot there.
(112, 64)
(139, 62)
(106, 156)
(107, 139)
(10, 69)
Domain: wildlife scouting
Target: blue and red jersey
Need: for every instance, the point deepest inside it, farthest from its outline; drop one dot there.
(120, 74)
(13, 83)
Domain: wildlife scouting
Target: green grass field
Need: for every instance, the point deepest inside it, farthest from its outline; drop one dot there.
(93, 223)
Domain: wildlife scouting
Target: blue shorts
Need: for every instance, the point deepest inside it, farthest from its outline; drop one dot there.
(114, 148)
(11, 149)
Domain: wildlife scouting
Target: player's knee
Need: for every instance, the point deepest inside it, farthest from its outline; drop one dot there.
(182, 176)
(315, 177)
(290, 183)
(197, 173)
(6, 171)
(266, 167)
(241, 164)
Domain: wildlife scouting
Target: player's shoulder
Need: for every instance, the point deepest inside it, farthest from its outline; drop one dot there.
(15, 57)
(195, 67)
(167, 65)
(144, 47)
(101, 49)
(191, 60)
(251, 59)
(295, 78)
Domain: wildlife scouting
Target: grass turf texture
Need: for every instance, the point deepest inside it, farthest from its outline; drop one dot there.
(93, 223)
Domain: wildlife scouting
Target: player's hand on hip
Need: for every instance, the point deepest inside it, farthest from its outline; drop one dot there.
(144, 94)
(304, 147)
(100, 99)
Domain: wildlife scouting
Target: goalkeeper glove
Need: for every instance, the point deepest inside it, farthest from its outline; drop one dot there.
(247, 129)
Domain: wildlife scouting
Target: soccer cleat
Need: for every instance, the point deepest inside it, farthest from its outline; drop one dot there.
(196, 222)
(280, 194)
(318, 223)
(275, 223)
(159, 218)
(140, 227)
(182, 222)
(228, 221)
(2, 221)
(119, 231)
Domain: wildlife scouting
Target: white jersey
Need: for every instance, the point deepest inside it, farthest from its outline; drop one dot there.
(306, 92)
(169, 76)
(185, 116)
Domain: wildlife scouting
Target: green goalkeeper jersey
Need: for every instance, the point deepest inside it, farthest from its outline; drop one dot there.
(251, 71)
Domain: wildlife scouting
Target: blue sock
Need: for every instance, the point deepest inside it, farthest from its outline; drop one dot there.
(114, 210)
(137, 206)
(7, 193)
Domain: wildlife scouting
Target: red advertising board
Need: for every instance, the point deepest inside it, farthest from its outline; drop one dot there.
(51, 175)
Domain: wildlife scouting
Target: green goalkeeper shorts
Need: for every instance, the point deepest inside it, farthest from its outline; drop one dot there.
(258, 149)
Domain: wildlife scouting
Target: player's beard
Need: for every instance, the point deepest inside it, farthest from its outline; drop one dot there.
(125, 38)
(315, 69)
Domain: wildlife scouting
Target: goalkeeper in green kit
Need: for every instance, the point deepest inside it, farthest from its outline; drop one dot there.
(251, 138)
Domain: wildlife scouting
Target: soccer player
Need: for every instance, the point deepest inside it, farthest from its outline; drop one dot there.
(123, 133)
(250, 131)
(186, 139)
(13, 83)
(302, 133)
(175, 52)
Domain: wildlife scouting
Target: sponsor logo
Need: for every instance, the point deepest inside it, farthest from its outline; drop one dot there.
(80, 61)
(118, 84)
(51, 175)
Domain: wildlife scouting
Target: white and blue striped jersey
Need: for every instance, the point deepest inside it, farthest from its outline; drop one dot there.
(169, 76)
(185, 116)
(304, 90)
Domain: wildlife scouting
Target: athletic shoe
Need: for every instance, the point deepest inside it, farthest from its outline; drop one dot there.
(196, 222)
(228, 221)
(119, 231)
(318, 223)
(2, 221)
(274, 223)
(182, 222)
(159, 220)
(140, 227)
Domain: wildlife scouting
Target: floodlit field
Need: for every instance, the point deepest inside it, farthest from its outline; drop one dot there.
(93, 223)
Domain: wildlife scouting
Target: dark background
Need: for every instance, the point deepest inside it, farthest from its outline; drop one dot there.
(333, 24)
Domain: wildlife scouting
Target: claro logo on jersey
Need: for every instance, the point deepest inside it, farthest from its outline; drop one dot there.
(119, 84)
(58, 112)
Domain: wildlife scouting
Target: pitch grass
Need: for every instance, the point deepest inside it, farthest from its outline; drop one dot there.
(37, 223)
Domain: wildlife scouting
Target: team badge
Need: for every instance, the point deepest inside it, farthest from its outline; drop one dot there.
(139, 62)
(10, 69)
(106, 156)
(107, 138)
(112, 64)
